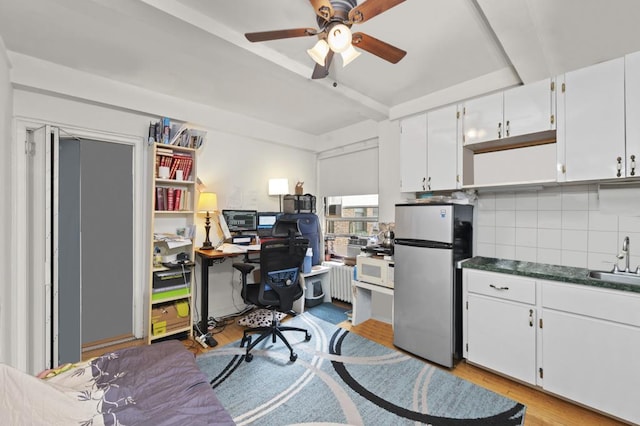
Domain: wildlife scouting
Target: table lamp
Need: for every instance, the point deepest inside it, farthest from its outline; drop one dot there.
(279, 187)
(208, 202)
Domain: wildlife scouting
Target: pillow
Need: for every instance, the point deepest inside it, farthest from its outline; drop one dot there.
(259, 318)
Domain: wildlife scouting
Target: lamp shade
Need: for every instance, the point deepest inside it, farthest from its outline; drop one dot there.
(319, 52)
(339, 38)
(207, 202)
(279, 186)
(349, 55)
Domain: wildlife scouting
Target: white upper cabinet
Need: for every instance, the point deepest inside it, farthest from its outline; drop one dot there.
(413, 153)
(442, 149)
(632, 99)
(429, 151)
(483, 119)
(529, 108)
(593, 128)
(519, 111)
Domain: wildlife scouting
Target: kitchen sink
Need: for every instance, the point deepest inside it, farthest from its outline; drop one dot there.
(616, 277)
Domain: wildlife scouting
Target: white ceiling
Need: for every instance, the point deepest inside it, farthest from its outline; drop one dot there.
(195, 49)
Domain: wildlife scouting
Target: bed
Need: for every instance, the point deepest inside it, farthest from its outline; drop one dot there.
(159, 384)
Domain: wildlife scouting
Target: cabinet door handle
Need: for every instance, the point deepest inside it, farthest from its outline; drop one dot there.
(423, 183)
(507, 129)
(499, 130)
(619, 166)
(633, 165)
(498, 288)
(429, 183)
(530, 317)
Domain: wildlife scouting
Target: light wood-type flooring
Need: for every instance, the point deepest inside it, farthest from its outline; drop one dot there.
(542, 408)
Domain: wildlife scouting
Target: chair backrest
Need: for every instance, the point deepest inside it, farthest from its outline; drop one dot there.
(280, 264)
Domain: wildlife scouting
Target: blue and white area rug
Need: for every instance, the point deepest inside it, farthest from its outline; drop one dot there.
(342, 378)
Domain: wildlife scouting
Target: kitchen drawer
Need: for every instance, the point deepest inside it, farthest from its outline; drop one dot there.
(612, 305)
(502, 286)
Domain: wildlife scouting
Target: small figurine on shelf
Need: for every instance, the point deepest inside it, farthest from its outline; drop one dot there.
(299, 189)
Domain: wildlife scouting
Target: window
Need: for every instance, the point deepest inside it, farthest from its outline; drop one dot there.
(352, 217)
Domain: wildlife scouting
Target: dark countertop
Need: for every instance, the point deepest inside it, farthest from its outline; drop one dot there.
(543, 271)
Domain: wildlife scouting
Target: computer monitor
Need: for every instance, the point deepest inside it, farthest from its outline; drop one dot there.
(241, 220)
(266, 221)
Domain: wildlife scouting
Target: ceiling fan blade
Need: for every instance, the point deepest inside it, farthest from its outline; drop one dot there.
(278, 34)
(370, 8)
(322, 71)
(322, 8)
(377, 47)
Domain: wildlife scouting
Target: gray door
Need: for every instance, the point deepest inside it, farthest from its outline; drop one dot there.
(95, 244)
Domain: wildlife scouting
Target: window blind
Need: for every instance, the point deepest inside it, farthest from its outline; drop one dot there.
(353, 173)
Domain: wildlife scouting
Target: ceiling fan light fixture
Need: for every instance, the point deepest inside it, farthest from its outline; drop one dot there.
(319, 52)
(349, 55)
(339, 38)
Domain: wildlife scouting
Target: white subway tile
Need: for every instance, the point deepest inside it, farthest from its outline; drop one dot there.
(574, 240)
(486, 250)
(505, 235)
(505, 251)
(602, 262)
(602, 221)
(550, 256)
(526, 237)
(526, 219)
(527, 201)
(486, 202)
(505, 201)
(577, 259)
(603, 242)
(486, 218)
(551, 219)
(629, 224)
(526, 254)
(550, 199)
(573, 219)
(506, 217)
(486, 234)
(575, 198)
(550, 239)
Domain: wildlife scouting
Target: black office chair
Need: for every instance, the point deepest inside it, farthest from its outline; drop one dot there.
(279, 287)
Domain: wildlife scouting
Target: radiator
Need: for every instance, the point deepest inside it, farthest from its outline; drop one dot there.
(341, 276)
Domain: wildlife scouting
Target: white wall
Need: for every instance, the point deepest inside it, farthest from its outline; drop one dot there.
(560, 225)
(6, 105)
(235, 166)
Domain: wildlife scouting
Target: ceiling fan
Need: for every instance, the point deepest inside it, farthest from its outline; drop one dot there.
(335, 18)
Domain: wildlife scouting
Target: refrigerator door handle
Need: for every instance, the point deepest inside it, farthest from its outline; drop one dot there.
(422, 243)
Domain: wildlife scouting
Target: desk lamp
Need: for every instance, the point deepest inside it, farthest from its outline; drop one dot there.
(279, 187)
(208, 202)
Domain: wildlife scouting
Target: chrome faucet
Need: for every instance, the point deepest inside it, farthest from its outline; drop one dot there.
(625, 253)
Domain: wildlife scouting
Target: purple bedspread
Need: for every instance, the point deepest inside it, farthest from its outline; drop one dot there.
(159, 384)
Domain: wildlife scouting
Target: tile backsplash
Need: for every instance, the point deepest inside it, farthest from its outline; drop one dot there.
(559, 225)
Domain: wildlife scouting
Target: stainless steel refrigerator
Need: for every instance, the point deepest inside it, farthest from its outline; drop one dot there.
(430, 240)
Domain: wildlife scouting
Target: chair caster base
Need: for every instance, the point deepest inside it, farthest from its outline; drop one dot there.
(307, 337)
(248, 357)
(293, 357)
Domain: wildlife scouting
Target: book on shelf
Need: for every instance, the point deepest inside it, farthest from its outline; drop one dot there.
(160, 295)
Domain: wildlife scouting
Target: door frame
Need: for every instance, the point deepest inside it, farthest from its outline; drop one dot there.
(33, 349)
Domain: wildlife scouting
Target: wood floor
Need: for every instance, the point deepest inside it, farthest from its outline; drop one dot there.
(542, 409)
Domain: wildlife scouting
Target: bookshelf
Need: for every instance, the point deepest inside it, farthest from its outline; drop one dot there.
(173, 200)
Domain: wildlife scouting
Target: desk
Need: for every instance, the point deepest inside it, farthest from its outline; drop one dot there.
(207, 259)
(361, 304)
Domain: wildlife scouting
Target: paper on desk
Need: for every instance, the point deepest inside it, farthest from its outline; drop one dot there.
(236, 248)
(172, 240)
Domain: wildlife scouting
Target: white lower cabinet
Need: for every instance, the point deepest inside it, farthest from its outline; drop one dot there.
(501, 338)
(578, 342)
(590, 348)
